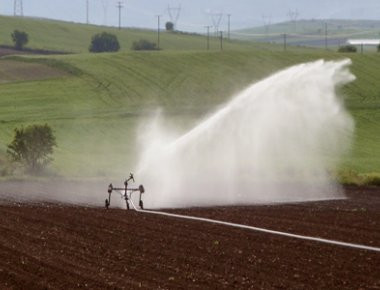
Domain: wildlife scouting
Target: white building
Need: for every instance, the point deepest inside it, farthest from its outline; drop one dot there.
(365, 42)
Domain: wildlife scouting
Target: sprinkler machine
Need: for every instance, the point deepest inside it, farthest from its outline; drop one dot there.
(125, 192)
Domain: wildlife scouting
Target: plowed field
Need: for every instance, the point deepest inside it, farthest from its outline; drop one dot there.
(61, 246)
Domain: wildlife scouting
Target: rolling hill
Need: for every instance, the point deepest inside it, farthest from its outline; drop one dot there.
(97, 102)
(75, 38)
(312, 32)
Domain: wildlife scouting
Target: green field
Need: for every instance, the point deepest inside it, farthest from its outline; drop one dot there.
(95, 102)
(76, 38)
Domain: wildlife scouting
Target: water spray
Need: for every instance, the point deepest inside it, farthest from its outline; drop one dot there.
(278, 140)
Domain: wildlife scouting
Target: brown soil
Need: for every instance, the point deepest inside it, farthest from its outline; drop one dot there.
(11, 71)
(61, 246)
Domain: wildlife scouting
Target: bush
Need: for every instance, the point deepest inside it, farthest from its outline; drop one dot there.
(378, 48)
(32, 147)
(347, 48)
(169, 26)
(104, 42)
(144, 45)
(20, 39)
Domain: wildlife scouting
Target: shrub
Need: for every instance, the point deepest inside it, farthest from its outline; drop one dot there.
(32, 146)
(378, 48)
(144, 45)
(20, 39)
(104, 42)
(347, 48)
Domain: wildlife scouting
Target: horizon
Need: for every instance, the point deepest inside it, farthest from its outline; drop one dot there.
(194, 16)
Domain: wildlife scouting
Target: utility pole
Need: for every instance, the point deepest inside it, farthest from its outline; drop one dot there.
(284, 41)
(208, 36)
(221, 40)
(229, 26)
(18, 8)
(120, 6)
(326, 35)
(158, 31)
(87, 11)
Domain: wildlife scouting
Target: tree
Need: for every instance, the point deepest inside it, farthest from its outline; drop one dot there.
(347, 48)
(104, 42)
(20, 39)
(32, 146)
(169, 26)
(143, 44)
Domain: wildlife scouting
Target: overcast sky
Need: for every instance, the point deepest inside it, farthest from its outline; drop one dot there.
(195, 14)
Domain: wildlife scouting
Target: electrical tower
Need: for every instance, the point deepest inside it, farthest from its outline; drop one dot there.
(87, 11)
(267, 19)
(293, 15)
(216, 18)
(120, 6)
(229, 26)
(105, 8)
(18, 9)
(174, 13)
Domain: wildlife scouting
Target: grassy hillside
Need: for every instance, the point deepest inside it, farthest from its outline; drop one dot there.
(74, 37)
(96, 102)
(312, 32)
(95, 111)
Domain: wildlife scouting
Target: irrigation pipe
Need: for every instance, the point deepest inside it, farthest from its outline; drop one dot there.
(289, 235)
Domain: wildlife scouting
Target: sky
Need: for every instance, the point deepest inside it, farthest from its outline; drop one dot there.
(195, 14)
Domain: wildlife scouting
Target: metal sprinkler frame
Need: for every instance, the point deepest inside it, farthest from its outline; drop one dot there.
(125, 192)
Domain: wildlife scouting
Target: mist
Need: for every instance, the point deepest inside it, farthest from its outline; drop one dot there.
(276, 141)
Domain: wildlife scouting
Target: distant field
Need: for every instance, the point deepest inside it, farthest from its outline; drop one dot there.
(312, 32)
(95, 102)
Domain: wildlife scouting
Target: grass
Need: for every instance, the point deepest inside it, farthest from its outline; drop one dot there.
(97, 101)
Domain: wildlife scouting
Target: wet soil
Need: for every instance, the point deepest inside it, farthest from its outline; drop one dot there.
(47, 245)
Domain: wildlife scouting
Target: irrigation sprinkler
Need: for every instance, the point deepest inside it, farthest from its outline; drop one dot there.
(125, 192)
